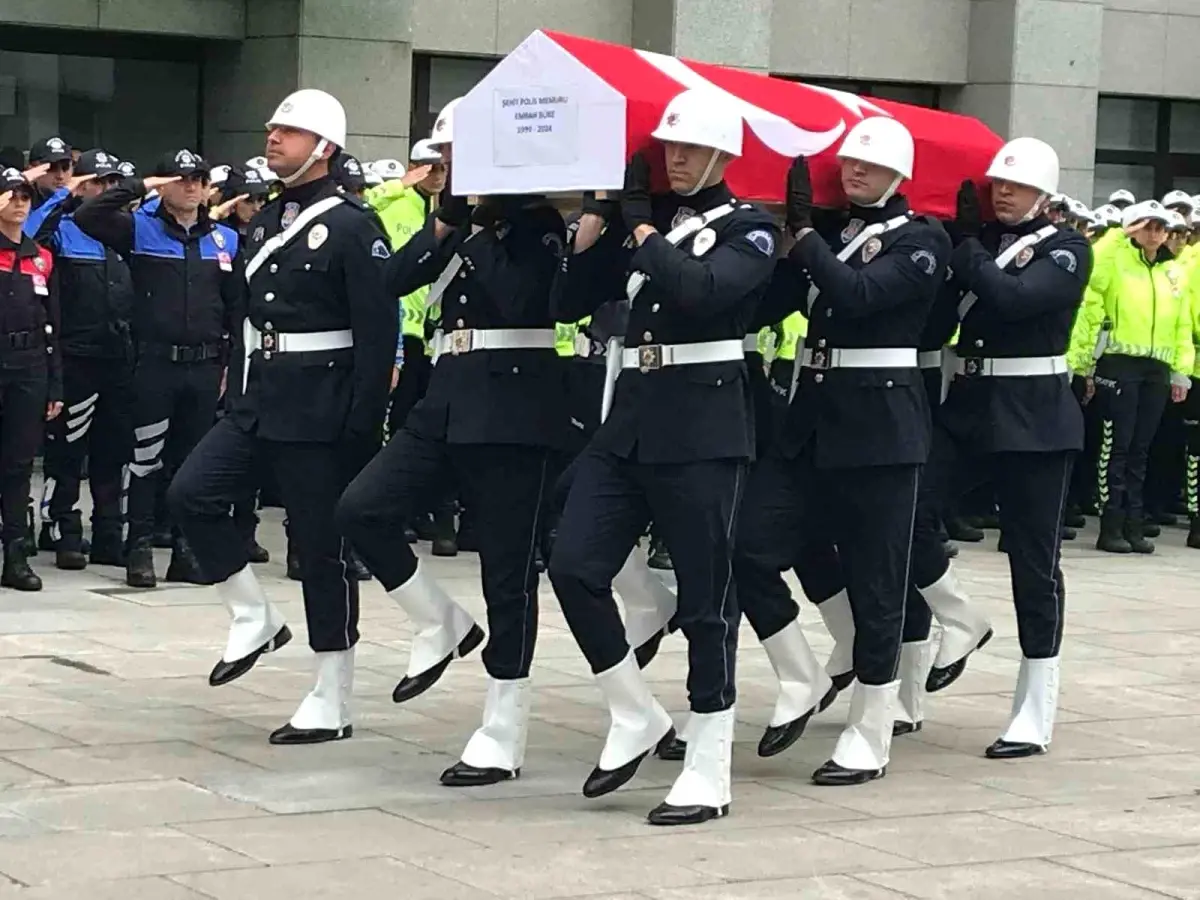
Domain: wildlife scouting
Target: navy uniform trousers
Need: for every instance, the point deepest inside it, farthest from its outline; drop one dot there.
(504, 484)
(694, 509)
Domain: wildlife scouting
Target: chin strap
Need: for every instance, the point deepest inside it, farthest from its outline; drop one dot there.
(700, 184)
(1035, 210)
(886, 196)
(312, 158)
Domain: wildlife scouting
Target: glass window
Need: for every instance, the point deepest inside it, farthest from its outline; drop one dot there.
(913, 94)
(1185, 127)
(1123, 123)
(134, 108)
(453, 76)
(1114, 176)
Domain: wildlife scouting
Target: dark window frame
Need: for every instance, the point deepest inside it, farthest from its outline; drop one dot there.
(868, 88)
(1168, 166)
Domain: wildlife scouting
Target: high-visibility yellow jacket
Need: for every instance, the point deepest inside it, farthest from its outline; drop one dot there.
(403, 212)
(1144, 307)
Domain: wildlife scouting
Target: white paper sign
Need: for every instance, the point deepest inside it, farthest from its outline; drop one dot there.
(535, 126)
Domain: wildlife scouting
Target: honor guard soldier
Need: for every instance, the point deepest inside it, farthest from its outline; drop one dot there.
(491, 416)
(308, 385)
(96, 298)
(674, 450)
(182, 267)
(1010, 409)
(846, 469)
(30, 369)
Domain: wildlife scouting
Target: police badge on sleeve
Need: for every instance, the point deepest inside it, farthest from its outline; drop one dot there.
(871, 249)
(850, 232)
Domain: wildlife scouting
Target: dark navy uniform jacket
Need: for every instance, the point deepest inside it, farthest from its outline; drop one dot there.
(705, 289)
(878, 298)
(95, 287)
(328, 278)
(1025, 310)
(492, 396)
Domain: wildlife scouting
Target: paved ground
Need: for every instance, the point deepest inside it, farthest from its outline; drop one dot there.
(123, 775)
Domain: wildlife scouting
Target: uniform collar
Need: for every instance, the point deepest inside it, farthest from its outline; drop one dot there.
(1037, 223)
(897, 206)
(202, 227)
(309, 192)
(25, 248)
(709, 198)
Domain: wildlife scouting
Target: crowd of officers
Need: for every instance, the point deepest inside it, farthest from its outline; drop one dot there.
(832, 396)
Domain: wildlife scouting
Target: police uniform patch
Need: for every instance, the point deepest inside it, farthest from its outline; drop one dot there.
(380, 250)
(218, 239)
(871, 249)
(925, 261)
(290, 211)
(850, 232)
(39, 264)
(259, 233)
(316, 236)
(704, 242)
(1006, 241)
(763, 240)
(1065, 259)
(681, 215)
(1024, 257)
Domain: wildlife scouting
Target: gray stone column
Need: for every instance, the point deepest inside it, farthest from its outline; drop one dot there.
(363, 57)
(1034, 70)
(727, 32)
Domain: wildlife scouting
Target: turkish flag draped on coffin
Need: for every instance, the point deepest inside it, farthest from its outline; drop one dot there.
(562, 113)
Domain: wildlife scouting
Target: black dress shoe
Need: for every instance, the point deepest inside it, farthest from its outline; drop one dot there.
(833, 775)
(665, 814)
(900, 727)
(951, 549)
(778, 738)
(605, 781)
(1002, 749)
(410, 534)
(1075, 519)
(419, 684)
(673, 751)
(1152, 529)
(462, 775)
(257, 553)
(358, 569)
(289, 735)
(647, 651)
(843, 681)
(70, 560)
(224, 672)
(942, 678)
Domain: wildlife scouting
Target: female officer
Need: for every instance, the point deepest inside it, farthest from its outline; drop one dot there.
(30, 369)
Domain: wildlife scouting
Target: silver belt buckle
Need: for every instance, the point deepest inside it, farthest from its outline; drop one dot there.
(972, 366)
(460, 341)
(650, 357)
(821, 359)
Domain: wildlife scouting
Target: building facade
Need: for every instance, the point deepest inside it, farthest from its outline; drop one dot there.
(1109, 82)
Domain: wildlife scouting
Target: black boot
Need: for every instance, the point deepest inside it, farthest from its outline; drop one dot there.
(445, 541)
(68, 552)
(659, 558)
(467, 541)
(358, 568)
(962, 532)
(108, 547)
(1151, 529)
(1135, 534)
(1112, 537)
(17, 574)
(46, 539)
(425, 527)
(139, 563)
(184, 567)
(1074, 517)
(162, 538)
(1193, 538)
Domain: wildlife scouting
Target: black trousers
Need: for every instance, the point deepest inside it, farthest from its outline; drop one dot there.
(694, 508)
(1191, 436)
(1083, 473)
(174, 407)
(411, 386)
(95, 428)
(22, 420)
(1132, 394)
(1165, 464)
(222, 468)
(505, 487)
(866, 513)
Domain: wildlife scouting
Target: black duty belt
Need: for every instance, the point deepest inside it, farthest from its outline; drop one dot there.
(22, 340)
(183, 353)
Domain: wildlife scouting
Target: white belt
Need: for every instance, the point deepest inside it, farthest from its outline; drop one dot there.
(468, 340)
(750, 343)
(583, 345)
(929, 359)
(1022, 367)
(657, 356)
(860, 358)
(298, 342)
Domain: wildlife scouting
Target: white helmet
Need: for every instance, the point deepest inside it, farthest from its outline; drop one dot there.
(1027, 161)
(388, 169)
(1121, 198)
(1078, 209)
(443, 128)
(315, 111)
(1108, 214)
(424, 153)
(702, 118)
(1147, 209)
(1179, 198)
(883, 141)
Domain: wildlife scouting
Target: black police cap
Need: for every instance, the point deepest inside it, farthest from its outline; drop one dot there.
(49, 150)
(182, 163)
(13, 180)
(97, 162)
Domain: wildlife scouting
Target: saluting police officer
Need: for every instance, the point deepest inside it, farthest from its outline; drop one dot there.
(1011, 408)
(96, 296)
(30, 369)
(182, 267)
(492, 414)
(675, 449)
(308, 390)
(846, 469)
